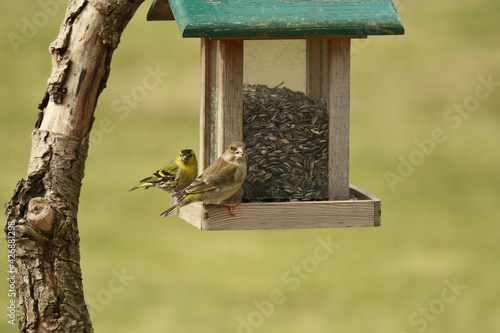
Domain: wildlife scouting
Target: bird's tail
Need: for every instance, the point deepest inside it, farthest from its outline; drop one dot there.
(143, 185)
(169, 211)
(176, 202)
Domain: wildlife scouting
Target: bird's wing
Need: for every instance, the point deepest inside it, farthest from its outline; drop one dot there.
(216, 175)
(171, 168)
(221, 173)
(165, 174)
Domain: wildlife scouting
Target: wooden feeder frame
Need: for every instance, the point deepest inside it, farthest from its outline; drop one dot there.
(328, 77)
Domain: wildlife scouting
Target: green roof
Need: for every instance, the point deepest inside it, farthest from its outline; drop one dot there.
(279, 18)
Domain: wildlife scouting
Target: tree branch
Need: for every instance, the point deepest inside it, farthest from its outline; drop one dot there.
(48, 281)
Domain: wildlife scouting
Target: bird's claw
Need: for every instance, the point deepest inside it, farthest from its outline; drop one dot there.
(231, 206)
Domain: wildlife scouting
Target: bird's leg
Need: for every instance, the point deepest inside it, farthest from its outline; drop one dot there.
(231, 206)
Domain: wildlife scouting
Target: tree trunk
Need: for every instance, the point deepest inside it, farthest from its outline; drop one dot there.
(41, 227)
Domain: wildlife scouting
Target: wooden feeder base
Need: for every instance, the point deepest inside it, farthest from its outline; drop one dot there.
(363, 212)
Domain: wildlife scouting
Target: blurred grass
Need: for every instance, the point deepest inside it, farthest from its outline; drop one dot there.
(440, 224)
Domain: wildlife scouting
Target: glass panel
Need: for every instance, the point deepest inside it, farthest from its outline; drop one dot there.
(275, 62)
(286, 130)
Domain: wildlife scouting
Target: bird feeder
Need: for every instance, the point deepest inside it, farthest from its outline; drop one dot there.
(276, 75)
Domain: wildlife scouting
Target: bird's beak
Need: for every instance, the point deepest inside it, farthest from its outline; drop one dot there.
(240, 152)
(184, 158)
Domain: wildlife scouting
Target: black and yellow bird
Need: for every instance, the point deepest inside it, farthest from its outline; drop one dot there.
(219, 181)
(175, 176)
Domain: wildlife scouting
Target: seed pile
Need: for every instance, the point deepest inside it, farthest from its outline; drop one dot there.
(286, 133)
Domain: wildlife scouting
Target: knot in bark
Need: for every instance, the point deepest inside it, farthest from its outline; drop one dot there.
(40, 214)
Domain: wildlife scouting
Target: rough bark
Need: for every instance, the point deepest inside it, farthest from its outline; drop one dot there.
(41, 224)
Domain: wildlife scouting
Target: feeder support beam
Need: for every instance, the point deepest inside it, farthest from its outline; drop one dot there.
(230, 93)
(338, 111)
(230, 97)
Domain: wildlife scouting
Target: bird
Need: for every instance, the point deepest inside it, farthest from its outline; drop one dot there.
(175, 176)
(219, 181)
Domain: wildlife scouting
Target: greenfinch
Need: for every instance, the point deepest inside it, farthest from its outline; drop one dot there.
(175, 176)
(219, 181)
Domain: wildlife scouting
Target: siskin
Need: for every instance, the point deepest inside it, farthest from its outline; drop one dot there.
(175, 176)
(219, 181)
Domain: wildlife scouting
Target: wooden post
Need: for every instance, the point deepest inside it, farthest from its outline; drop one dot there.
(230, 97)
(317, 67)
(338, 110)
(230, 93)
(208, 106)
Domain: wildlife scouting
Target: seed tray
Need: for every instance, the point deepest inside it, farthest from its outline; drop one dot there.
(364, 211)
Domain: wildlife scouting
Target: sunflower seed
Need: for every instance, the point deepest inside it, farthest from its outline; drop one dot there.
(286, 133)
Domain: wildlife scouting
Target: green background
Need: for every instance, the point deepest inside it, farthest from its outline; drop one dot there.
(440, 222)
